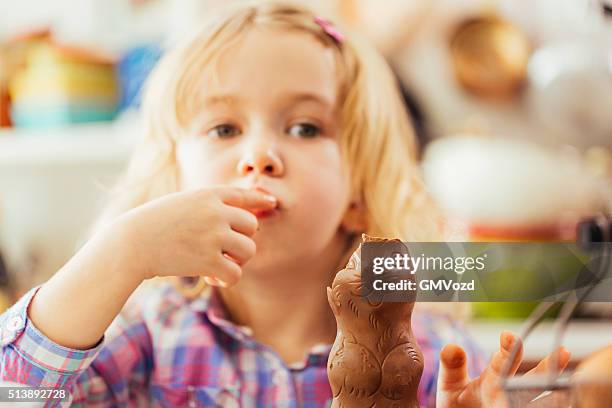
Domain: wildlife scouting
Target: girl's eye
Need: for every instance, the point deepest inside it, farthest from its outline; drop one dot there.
(223, 131)
(305, 130)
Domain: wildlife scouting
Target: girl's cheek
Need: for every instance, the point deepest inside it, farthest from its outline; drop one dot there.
(201, 169)
(200, 177)
(326, 193)
(327, 181)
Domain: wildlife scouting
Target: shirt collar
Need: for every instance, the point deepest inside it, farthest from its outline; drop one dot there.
(211, 305)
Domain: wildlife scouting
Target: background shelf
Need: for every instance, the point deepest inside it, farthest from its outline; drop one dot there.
(106, 142)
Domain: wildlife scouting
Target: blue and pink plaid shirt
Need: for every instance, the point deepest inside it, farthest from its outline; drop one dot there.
(165, 351)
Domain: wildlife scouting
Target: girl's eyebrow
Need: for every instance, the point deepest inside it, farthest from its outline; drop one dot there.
(289, 98)
(227, 99)
(308, 97)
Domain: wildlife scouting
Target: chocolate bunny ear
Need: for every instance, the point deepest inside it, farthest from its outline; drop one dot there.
(333, 302)
(354, 261)
(369, 238)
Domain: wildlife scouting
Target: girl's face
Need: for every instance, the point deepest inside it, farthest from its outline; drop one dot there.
(268, 120)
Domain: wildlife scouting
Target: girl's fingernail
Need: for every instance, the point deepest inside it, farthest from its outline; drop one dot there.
(215, 281)
(220, 283)
(270, 198)
(508, 341)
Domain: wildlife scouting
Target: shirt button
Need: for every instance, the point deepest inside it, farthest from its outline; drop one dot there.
(191, 391)
(246, 330)
(6, 338)
(14, 323)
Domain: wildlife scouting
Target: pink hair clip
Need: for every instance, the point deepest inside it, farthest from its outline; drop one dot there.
(329, 28)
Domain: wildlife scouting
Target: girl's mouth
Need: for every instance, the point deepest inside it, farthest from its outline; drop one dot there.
(261, 214)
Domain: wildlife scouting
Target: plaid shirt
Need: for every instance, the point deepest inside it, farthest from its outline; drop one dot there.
(164, 351)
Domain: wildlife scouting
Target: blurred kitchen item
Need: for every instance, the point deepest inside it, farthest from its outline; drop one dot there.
(594, 231)
(590, 384)
(497, 183)
(12, 58)
(5, 101)
(61, 85)
(508, 191)
(606, 8)
(389, 28)
(489, 57)
(599, 162)
(134, 68)
(53, 184)
(570, 91)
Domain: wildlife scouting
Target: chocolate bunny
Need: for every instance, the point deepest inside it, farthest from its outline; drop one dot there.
(375, 360)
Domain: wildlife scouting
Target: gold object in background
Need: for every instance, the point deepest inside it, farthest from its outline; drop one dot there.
(598, 161)
(489, 57)
(13, 55)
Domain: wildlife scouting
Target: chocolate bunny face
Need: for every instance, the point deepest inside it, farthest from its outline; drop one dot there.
(375, 359)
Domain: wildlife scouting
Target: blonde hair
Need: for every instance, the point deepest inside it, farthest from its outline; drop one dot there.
(377, 140)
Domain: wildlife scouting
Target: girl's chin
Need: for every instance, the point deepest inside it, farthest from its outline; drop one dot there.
(258, 268)
(267, 261)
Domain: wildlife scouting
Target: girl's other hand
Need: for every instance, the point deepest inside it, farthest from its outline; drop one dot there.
(205, 232)
(456, 390)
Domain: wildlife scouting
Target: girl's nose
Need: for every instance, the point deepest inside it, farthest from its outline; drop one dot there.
(261, 162)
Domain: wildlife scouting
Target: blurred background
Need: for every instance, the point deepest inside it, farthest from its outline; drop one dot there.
(511, 101)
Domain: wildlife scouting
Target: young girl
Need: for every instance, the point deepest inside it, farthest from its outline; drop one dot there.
(272, 142)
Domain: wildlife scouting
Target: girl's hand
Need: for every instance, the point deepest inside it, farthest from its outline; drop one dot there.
(456, 390)
(205, 232)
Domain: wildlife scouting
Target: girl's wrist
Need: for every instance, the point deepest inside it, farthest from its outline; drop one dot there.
(122, 247)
